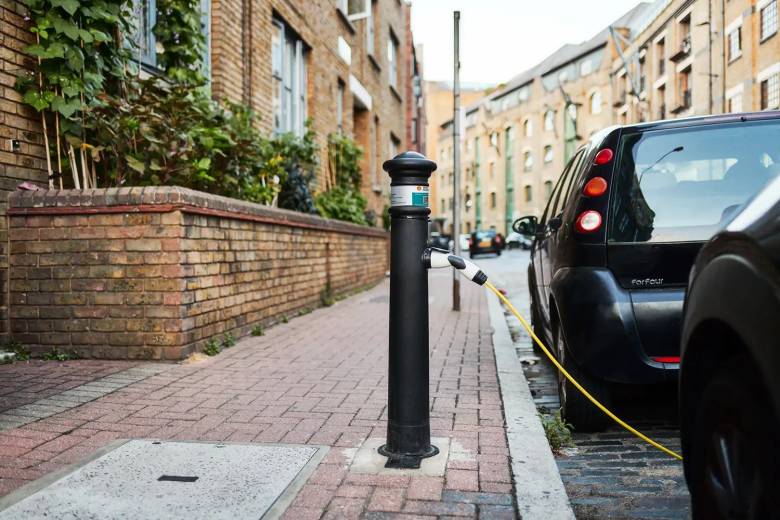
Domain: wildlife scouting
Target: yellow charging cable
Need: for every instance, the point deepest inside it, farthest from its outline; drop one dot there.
(579, 387)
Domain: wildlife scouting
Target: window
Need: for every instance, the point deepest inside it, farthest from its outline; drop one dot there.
(528, 161)
(549, 120)
(340, 107)
(586, 67)
(660, 49)
(684, 89)
(770, 92)
(354, 9)
(491, 168)
(288, 64)
(444, 204)
(735, 44)
(395, 144)
(735, 103)
(595, 102)
(528, 193)
(686, 184)
(145, 12)
(392, 60)
(528, 128)
(768, 20)
(548, 154)
(493, 199)
(548, 186)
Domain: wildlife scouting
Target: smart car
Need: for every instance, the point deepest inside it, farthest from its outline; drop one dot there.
(729, 390)
(613, 249)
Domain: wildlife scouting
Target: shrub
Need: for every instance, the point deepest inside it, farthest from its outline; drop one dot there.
(212, 348)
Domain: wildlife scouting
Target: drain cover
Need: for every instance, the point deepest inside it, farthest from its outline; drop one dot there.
(145, 479)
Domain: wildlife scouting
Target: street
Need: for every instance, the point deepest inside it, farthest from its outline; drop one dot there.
(610, 474)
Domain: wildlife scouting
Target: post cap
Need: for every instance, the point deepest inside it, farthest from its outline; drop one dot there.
(409, 163)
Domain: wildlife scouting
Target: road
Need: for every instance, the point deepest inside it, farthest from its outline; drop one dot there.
(610, 474)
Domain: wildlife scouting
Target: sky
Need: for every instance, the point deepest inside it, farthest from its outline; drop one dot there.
(501, 38)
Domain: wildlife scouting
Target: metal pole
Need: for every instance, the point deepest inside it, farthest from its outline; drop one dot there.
(408, 415)
(456, 162)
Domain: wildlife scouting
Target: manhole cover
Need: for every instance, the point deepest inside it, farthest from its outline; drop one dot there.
(152, 479)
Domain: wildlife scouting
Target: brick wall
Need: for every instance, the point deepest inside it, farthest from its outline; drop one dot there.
(153, 273)
(17, 123)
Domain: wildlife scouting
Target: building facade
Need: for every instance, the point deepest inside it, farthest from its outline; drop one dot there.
(517, 139)
(665, 59)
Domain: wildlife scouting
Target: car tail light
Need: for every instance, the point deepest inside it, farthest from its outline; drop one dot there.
(588, 221)
(604, 156)
(595, 187)
(666, 359)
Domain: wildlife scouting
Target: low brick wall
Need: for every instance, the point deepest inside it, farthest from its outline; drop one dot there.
(154, 273)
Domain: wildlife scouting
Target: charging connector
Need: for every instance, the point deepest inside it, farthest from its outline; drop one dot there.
(434, 258)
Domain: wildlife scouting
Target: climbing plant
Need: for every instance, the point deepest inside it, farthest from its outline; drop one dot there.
(112, 128)
(342, 199)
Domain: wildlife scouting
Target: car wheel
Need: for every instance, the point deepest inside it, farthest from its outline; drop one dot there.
(576, 409)
(734, 467)
(498, 252)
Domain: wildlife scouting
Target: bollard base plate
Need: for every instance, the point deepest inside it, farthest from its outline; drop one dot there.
(406, 460)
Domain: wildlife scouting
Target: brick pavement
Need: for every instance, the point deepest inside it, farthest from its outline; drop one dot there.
(321, 379)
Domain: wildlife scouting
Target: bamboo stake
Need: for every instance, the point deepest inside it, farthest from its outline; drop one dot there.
(59, 146)
(73, 167)
(43, 119)
(84, 173)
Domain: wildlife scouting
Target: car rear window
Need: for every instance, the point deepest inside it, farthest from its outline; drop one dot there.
(485, 234)
(685, 184)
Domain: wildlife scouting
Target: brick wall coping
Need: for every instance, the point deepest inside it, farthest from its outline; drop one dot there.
(166, 199)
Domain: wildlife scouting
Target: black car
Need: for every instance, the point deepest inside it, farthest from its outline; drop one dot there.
(439, 240)
(729, 386)
(481, 242)
(615, 244)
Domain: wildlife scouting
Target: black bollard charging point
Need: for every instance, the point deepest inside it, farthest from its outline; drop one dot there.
(408, 408)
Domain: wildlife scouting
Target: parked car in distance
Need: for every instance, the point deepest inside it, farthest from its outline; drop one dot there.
(729, 386)
(439, 240)
(515, 240)
(482, 242)
(615, 244)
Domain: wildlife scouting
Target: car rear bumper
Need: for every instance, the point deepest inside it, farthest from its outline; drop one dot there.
(601, 329)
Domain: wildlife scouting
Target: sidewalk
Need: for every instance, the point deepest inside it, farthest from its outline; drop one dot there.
(320, 379)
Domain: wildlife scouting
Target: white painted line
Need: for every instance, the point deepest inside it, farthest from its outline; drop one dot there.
(538, 487)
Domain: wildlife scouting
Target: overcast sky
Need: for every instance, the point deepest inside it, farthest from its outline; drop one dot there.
(501, 38)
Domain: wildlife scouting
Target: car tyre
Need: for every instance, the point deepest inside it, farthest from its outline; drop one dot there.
(576, 409)
(734, 465)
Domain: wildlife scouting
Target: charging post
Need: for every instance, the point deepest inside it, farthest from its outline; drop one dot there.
(408, 408)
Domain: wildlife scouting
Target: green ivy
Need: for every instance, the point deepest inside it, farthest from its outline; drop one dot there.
(181, 40)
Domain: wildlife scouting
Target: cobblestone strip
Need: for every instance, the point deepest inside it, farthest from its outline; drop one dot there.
(58, 403)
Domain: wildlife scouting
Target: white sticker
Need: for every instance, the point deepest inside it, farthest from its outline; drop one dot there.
(409, 196)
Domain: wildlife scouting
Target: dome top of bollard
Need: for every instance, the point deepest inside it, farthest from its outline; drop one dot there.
(409, 163)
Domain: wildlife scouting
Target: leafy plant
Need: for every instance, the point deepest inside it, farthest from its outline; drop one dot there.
(342, 200)
(228, 340)
(258, 330)
(342, 204)
(558, 432)
(13, 346)
(55, 354)
(284, 319)
(181, 40)
(386, 217)
(212, 348)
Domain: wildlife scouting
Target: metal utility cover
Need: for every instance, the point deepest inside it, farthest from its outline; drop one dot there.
(154, 479)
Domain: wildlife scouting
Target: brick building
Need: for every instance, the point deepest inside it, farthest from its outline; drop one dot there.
(665, 59)
(517, 139)
(346, 66)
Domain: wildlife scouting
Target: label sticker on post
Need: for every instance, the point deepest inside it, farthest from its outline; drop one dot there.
(409, 196)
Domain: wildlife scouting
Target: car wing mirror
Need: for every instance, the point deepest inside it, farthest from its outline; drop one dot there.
(526, 226)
